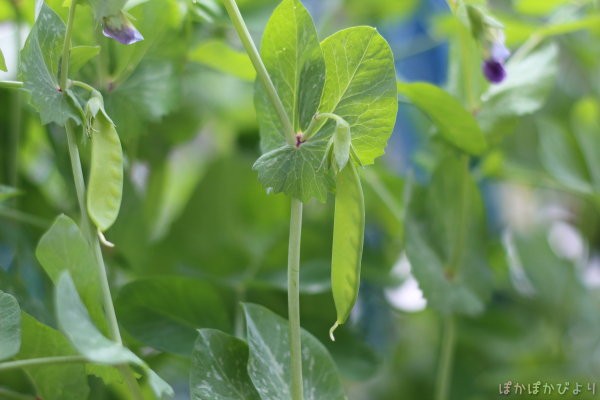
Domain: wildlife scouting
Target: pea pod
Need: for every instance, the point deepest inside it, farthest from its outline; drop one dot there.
(348, 234)
(105, 186)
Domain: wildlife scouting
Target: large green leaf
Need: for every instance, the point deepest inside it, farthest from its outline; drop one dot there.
(219, 368)
(39, 65)
(524, 91)
(445, 240)
(63, 248)
(269, 362)
(75, 322)
(10, 326)
(166, 312)
(291, 52)
(455, 124)
(297, 172)
(51, 382)
(360, 88)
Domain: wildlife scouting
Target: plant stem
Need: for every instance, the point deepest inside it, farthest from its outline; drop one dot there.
(92, 237)
(42, 361)
(11, 85)
(261, 70)
(294, 298)
(446, 359)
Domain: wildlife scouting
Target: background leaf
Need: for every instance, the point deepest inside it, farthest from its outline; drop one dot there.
(455, 124)
(166, 312)
(38, 69)
(10, 326)
(222, 57)
(219, 370)
(2, 62)
(269, 363)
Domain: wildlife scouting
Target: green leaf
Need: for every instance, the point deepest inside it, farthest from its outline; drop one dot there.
(524, 91)
(219, 370)
(75, 322)
(51, 382)
(445, 240)
(2, 62)
(166, 312)
(269, 362)
(292, 55)
(295, 171)
(10, 326)
(361, 88)
(455, 124)
(222, 57)
(80, 55)
(562, 157)
(63, 248)
(348, 235)
(38, 69)
(148, 95)
(585, 123)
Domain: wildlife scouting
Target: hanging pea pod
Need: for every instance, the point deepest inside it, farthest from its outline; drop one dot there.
(105, 186)
(348, 234)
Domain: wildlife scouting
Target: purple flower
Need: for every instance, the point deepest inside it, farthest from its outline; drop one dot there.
(493, 67)
(119, 28)
(493, 70)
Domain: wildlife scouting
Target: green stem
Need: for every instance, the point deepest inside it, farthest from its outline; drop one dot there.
(92, 237)
(446, 359)
(261, 70)
(11, 85)
(36, 362)
(84, 86)
(8, 394)
(294, 298)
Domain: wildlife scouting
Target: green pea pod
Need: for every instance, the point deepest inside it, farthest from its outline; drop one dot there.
(105, 186)
(348, 234)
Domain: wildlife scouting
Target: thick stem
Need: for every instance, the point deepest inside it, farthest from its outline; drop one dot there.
(261, 70)
(35, 362)
(11, 85)
(294, 298)
(446, 359)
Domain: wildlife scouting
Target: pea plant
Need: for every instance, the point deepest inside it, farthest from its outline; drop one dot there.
(143, 238)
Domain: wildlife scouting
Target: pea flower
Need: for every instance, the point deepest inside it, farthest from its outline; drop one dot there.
(119, 27)
(493, 66)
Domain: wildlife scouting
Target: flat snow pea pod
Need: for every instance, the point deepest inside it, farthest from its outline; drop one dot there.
(348, 234)
(106, 173)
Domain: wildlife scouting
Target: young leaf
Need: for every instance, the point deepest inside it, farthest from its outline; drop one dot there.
(38, 69)
(51, 382)
(165, 313)
(291, 52)
(269, 362)
(455, 124)
(2, 62)
(63, 248)
(219, 368)
(10, 326)
(295, 171)
(360, 88)
(445, 240)
(348, 235)
(75, 322)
